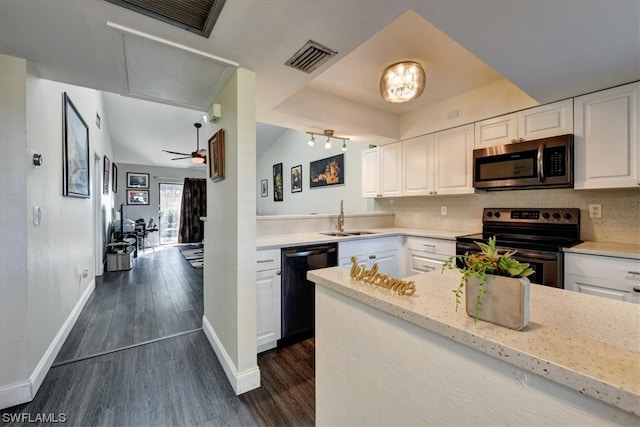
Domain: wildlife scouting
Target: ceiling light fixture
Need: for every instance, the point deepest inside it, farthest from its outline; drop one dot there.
(329, 134)
(402, 82)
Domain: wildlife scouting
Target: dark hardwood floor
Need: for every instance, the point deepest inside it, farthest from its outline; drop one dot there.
(176, 381)
(159, 297)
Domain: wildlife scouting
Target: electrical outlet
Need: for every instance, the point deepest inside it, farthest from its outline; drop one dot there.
(595, 211)
(443, 210)
(85, 273)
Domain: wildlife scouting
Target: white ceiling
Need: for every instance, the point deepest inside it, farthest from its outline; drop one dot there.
(549, 50)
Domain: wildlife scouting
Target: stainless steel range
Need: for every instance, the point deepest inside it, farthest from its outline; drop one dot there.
(538, 236)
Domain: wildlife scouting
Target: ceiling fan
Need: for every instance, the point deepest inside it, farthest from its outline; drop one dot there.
(198, 156)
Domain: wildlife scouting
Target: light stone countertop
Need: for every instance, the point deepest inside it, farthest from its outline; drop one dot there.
(624, 250)
(285, 240)
(587, 343)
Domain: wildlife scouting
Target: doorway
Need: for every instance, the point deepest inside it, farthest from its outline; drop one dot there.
(170, 205)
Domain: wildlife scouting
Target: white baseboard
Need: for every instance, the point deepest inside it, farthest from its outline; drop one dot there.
(240, 382)
(15, 394)
(25, 391)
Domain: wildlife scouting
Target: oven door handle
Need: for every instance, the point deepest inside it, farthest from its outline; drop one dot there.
(545, 256)
(540, 163)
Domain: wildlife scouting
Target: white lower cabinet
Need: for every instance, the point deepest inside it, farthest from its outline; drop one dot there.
(424, 254)
(384, 250)
(609, 277)
(268, 298)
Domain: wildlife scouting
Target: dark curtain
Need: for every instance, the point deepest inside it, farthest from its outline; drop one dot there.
(194, 205)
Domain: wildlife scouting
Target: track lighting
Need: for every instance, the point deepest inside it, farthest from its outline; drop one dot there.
(329, 134)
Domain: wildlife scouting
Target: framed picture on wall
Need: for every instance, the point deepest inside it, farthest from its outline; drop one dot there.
(278, 195)
(137, 180)
(105, 178)
(137, 197)
(216, 156)
(114, 181)
(264, 188)
(325, 172)
(75, 153)
(296, 179)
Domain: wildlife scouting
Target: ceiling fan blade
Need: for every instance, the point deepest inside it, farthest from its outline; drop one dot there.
(175, 152)
(180, 158)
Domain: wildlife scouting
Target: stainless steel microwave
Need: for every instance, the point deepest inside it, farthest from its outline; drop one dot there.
(540, 163)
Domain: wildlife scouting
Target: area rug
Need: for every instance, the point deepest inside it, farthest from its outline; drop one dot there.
(194, 254)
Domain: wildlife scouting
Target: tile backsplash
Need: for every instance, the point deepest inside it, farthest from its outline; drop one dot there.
(620, 220)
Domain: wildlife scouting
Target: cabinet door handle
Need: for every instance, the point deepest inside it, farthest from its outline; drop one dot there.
(278, 273)
(634, 272)
(372, 257)
(636, 288)
(264, 260)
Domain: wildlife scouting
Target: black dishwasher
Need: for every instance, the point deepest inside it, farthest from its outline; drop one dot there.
(298, 294)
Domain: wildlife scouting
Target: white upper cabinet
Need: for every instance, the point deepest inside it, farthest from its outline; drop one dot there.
(534, 123)
(453, 161)
(382, 171)
(417, 178)
(607, 153)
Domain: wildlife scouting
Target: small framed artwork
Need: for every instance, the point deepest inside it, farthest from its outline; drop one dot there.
(137, 197)
(278, 195)
(75, 155)
(216, 156)
(114, 180)
(264, 188)
(325, 172)
(296, 179)
(105, 178)
(137, 180)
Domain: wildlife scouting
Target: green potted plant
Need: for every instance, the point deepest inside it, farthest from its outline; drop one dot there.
(495, 285)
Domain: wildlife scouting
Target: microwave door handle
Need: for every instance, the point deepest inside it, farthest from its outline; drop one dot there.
(540, 163)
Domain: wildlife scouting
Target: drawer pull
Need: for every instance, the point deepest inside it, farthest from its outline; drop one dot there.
(429, 246)
(636, 288)
(279, 272)
(634, 272)
(372, 257)
(428, 268)
(264, 260)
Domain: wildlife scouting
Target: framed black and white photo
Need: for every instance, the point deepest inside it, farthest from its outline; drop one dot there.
(105, 178)
(75, 155)
(264, 188)
(278, 195)
(137, 197)
(114, 184)
(137, 180)
(296, 179)
(325, 172)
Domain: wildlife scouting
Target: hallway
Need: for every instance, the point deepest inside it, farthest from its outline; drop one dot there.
(116, 369)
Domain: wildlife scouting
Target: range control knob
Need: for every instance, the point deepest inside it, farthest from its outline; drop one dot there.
(546, 215)
(556, 215)
(497, 214)
(489, 214)
(566, 215)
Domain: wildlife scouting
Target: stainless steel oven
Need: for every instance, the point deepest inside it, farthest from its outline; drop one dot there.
(538, 236)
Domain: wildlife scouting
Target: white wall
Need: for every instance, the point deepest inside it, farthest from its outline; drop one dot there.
(291, 149)
(56, 251)
(157, 175)
(14, 368)
(230, 240)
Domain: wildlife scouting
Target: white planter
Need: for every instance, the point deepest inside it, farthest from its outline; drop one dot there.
(506, 302)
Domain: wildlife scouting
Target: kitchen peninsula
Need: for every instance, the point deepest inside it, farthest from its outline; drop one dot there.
(386, 359)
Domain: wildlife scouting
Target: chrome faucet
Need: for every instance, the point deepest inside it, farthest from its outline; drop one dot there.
(340, 224)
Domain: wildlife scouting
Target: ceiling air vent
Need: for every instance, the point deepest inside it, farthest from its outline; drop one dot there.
(310, 56)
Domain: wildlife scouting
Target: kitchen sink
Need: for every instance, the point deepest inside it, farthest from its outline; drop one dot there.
(346, 233)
